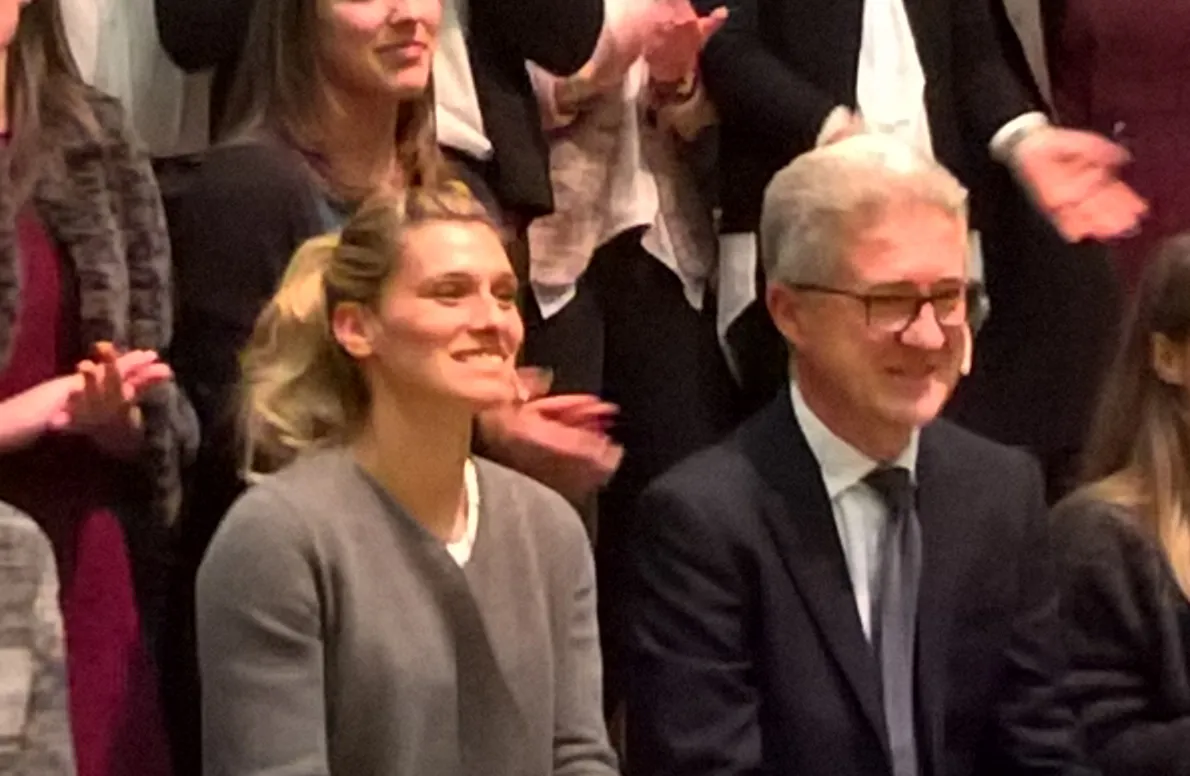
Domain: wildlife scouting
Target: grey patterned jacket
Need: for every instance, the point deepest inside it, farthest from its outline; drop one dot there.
(34, 719)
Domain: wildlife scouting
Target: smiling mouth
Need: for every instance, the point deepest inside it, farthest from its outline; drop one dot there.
(408, 49)
(484, 358)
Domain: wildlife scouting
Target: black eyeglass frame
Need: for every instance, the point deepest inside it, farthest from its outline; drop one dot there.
(976, 303)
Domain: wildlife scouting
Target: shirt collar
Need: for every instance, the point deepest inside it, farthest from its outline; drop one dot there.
(841, 464)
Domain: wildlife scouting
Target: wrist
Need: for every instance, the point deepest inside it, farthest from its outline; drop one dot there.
(1008, 141)
(674, 92)
(121, 438)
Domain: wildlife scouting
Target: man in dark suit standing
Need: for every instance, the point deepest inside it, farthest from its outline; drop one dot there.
(949, 77)
(848, 586)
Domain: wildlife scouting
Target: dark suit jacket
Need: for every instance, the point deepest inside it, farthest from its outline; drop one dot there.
(1127, 628)
(746, 650)
(558, 35)
(776, 70)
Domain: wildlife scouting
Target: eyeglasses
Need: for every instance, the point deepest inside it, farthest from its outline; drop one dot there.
(894, 313)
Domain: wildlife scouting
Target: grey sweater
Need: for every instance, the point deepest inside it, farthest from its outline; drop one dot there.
(34, 719)
(337, 636)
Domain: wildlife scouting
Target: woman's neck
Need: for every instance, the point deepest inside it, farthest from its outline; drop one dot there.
(419, 454)
(359, 142)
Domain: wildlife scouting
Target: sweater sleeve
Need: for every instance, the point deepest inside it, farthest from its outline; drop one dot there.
(1119, 628)
(260, 647)
(44, 747)
(581, 745)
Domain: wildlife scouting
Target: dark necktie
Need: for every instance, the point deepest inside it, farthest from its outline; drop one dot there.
(894, 621)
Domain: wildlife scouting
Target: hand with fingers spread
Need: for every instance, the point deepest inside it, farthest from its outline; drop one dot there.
(561, 441)
(676, 38)
(1074, 178)
(103, 403)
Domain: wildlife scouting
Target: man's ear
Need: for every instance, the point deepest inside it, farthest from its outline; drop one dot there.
(785, 310)
(355, 328)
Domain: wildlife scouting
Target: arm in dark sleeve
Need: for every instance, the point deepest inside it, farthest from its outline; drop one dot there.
(990, 93)
(1120, 633)
(260, 649)
(752, 87)
(1038, 733)
(1069, 53)
(201, 34)
(692, 705)
(558, 35)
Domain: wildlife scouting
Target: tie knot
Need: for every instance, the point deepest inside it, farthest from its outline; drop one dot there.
(894, 486)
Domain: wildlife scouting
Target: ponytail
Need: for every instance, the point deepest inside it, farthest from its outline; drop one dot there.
(301, 390)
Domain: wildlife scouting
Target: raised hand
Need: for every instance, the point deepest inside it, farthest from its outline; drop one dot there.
(676, 38)
(103, 404)
(561, 441)
(1074, 178)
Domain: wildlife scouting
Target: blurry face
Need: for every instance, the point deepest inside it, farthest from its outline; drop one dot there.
(865, 375)
(381, 47)
(447, 326)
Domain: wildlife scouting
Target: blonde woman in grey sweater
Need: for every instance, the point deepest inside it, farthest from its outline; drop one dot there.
(386, 604)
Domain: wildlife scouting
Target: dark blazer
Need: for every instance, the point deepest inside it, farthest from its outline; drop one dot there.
(559, 35)
(746, 650)
(1127, 629)
(776, 70)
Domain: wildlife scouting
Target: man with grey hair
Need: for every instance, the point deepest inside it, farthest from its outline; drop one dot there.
(847, 585)
(948, 77)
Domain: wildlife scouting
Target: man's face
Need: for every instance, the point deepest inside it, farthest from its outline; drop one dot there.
(861, 353)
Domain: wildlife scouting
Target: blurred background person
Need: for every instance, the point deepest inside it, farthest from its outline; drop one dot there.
(118, 51)
(620, 271)
(94, 432)
(1122, 72)
(387, 603)
(1123, 542)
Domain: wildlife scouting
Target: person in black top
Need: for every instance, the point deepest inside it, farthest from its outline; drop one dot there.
(1123, 542)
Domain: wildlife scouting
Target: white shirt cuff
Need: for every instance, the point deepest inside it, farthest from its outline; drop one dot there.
(1005, 140)
(835, 122)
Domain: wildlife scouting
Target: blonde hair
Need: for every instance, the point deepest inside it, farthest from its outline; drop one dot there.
(818, 204)
(301, 389)
(1138, 456)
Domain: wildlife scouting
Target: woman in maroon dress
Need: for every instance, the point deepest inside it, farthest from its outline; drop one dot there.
(1122, 68)
(90, 450)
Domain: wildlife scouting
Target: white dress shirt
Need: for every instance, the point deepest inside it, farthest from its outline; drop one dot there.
(860, 514)
(460, 550)
(457, 112)
(116, 47)
(890, 94)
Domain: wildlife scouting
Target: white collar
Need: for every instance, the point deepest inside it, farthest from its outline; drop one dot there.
(841, 464)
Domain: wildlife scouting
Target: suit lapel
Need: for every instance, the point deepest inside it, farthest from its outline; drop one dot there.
(801, 522)
(939, 504)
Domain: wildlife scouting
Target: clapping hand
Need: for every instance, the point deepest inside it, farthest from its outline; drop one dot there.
(105, 391)
(1074, 178)
(676, 38)
(561, 440)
